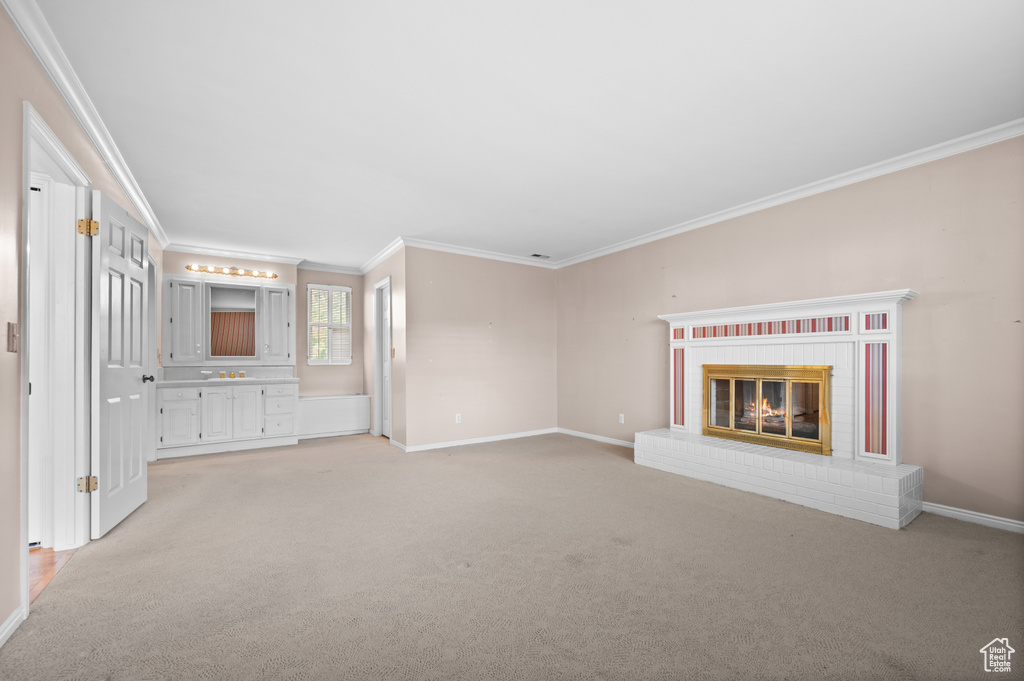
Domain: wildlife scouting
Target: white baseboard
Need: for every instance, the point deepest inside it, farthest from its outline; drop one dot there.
(974, 517)
(19, 615)
(226, 446)
(337, 434)
(398, 444)
(474, 441)
(597, 438)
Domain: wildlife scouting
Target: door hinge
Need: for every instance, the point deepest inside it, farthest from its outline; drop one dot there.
(88, 227)
(200, 436)
(30, 388)
(172, 355)
(161, 438)
(161, 411)
(88, 483)
(172, 320)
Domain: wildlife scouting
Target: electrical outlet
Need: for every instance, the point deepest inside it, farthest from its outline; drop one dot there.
(458, 418)
(622, 418)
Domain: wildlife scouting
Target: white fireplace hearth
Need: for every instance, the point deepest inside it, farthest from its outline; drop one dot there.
(860, 475)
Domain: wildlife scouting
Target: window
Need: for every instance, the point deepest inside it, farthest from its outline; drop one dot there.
(330, 324)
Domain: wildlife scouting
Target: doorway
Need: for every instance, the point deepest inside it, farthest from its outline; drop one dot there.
(54, 394)
(383, 354)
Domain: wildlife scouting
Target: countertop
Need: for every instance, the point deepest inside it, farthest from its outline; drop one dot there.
(200, 382)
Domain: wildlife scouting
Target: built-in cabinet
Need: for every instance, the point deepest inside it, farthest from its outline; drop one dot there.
(263, 315)
(178, 410)
(199, 420)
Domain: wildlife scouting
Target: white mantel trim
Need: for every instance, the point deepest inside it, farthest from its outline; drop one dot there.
(795, 307)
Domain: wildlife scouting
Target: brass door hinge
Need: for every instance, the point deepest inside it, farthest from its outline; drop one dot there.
(88, 227)
(88, 484)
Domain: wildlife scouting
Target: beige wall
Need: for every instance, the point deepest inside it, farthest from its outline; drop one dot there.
(952, 230)
(22, 79)
(393, 267)
(481, 337)
(334, 379)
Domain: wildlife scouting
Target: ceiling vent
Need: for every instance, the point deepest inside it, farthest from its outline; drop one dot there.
(542, 257)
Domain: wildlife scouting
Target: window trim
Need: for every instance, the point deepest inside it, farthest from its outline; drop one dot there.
(330, 326)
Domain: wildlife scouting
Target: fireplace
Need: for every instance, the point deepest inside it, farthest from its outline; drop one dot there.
(795, 400)
(778, 406)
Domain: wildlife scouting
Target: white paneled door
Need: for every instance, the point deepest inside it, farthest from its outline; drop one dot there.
(120, 409)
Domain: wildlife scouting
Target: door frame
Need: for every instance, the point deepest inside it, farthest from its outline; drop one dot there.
(42, 151)
(378, 356)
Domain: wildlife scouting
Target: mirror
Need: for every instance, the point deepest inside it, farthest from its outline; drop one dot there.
(232, 321)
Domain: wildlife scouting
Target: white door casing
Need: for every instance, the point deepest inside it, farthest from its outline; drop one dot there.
(120, 307)
(385, 354)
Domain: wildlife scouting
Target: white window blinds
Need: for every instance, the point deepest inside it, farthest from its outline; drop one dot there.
(330, 324)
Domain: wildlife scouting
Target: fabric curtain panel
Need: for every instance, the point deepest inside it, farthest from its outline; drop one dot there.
(232, 334)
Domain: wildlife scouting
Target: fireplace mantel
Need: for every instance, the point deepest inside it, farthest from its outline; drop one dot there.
(860, 338)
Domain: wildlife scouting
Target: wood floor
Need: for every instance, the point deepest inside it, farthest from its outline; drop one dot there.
(44, 564)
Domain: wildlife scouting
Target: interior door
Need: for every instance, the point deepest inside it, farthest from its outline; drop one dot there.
(385, 398)
(119, 329)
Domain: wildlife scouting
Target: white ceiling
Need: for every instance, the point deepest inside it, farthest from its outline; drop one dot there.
(324, 130)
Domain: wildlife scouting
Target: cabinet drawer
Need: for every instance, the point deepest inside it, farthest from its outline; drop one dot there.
(279, 390)
(172, 394)
(281, 424)
(279, 405)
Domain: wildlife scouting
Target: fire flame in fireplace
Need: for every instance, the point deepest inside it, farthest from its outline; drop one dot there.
(766, 409)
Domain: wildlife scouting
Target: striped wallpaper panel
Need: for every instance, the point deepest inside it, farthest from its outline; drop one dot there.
(233, 334)
(680, 333)
(677, 387)
(876, 362)
(876, 322)
(788, 326)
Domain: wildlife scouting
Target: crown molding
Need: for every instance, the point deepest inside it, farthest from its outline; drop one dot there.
(37, 34)
(476, 253)
(388, 251)
(959, 145)
(323, 267)
(223, 253)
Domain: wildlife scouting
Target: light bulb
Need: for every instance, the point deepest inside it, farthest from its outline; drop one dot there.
(209, 268)
(241, 271)
(227, 270)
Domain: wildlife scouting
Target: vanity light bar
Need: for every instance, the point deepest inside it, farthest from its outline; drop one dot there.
(231, 271)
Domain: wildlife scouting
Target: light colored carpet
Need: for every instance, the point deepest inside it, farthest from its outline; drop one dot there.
(545, 558)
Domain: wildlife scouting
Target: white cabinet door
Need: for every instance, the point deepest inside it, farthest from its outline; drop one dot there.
(247, 411)
(183, 321)
(216, 417)
(278, 334)
(179, 417)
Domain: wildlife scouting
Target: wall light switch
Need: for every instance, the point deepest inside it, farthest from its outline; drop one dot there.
(622, 418)
(13, 337)
(458, 418)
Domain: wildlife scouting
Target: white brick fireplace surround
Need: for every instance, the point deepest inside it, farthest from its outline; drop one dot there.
(860, 338)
